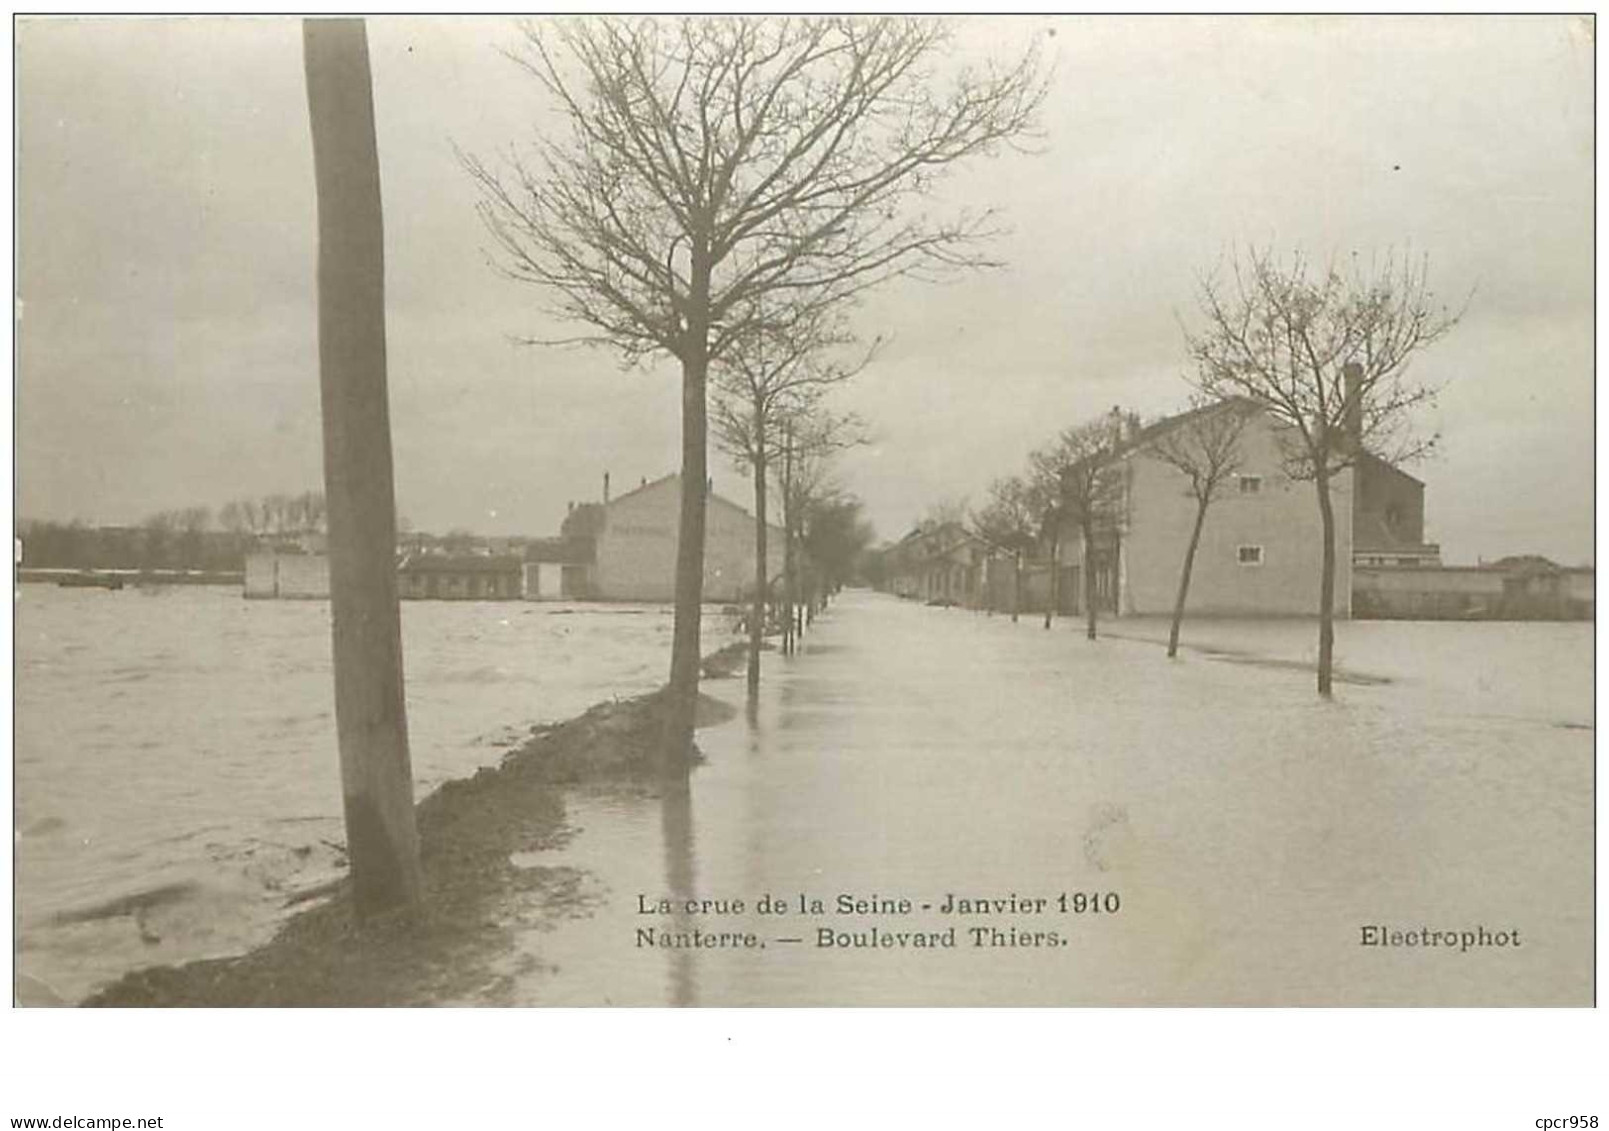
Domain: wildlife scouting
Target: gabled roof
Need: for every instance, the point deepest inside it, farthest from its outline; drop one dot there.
(948, 536)
(1156, 429)
(642, 488)
(1370, 457)
(1531, 563)
(676, 477)
(1153, 431)
(562, 550)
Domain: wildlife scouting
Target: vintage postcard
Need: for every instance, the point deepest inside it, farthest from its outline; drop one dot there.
(809, 511)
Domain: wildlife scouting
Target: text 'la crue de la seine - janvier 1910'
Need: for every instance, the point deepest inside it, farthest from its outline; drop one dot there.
(847, 920)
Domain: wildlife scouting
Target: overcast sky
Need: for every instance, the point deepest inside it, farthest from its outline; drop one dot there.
(167, 332)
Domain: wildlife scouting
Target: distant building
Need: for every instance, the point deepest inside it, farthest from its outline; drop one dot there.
(460, 577)
(1261, 548)
(1388, 517)
(287, 575)
(558, 569)
(945, 563)
(635, 539)
(420, 575)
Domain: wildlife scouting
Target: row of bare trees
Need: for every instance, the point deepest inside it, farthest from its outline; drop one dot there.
(181, 538)
(1070, 481)
(724, 190)
(810, 441)
(275, 515)
(163, 545)
(1323, 353)
(771, 416)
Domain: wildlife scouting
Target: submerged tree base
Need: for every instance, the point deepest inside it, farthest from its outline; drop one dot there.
(453, 947)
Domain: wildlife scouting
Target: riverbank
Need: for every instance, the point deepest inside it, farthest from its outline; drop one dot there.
(478, 890)
(116, 578)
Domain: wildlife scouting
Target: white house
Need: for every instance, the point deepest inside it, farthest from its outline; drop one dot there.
(635, 555)
(1261, 548)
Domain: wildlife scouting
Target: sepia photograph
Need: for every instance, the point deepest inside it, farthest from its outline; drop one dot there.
(804, 511)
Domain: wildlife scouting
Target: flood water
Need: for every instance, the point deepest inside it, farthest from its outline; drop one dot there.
(1246, 829)
(182, 740)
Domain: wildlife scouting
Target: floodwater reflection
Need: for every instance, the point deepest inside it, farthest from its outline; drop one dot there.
(681, 880)
(1246, 828)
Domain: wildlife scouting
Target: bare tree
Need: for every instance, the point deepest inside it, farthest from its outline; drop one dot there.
(1204, 447)
(811, 437)
(835, 537)
(193, 523)
(232, 517)
(945, 512)
(253, 517)
(763, 381)
(1042, 497)
(157, 544)
(1009, 521)
(1325, 351)
(310, 512)
(281, 513)
(722, 177)
(1090, 493)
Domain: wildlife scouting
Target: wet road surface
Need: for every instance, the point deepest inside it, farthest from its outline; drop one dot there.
(976, 812)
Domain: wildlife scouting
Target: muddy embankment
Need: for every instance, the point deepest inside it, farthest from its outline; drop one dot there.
(454, 947)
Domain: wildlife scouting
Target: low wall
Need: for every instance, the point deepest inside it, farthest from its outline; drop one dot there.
(1470, 593)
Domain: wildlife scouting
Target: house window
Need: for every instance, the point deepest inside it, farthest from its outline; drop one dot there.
(1250, 484)
(1250, 555)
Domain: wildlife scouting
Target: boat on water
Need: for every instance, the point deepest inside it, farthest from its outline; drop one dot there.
(89, 580)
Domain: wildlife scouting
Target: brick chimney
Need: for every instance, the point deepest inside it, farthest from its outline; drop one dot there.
(1352, 408)
(606, 488)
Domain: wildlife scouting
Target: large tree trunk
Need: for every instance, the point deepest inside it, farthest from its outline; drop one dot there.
(761, 578)
(1089, 582)
(1184, 577)
(1326, 598)
(685, 655)
(370, 714)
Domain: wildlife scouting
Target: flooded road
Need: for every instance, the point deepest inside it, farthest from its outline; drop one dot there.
(1219, 834)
